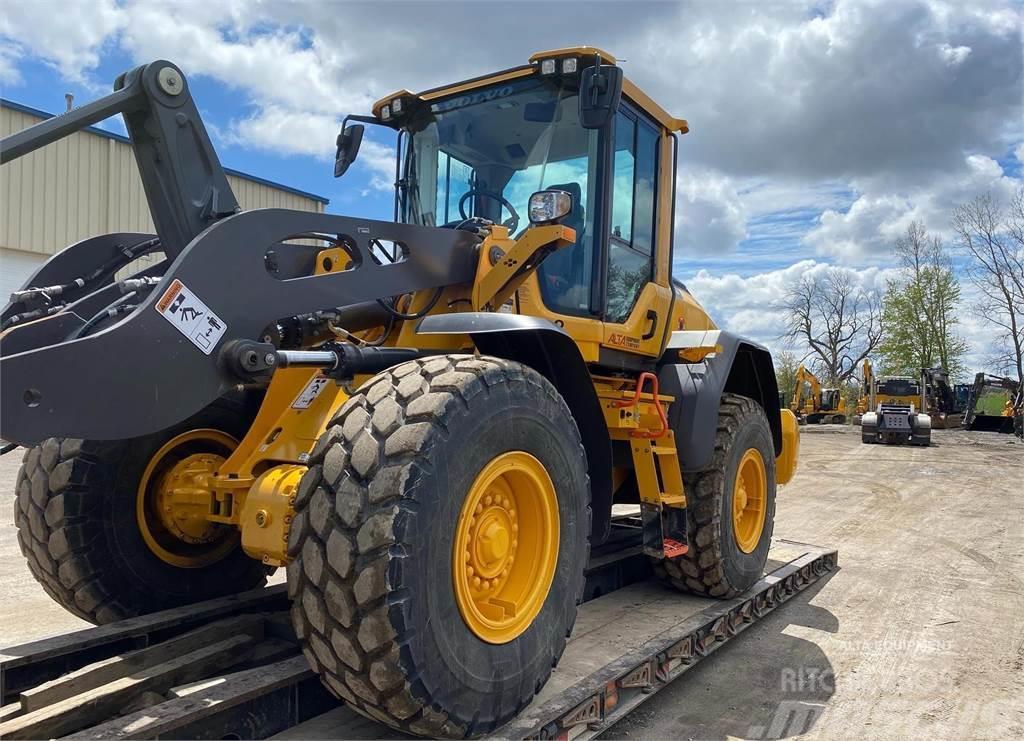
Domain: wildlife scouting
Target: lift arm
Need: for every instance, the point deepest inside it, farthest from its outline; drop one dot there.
(805, 376)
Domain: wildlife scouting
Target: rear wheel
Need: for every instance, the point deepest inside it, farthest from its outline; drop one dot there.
(730, 507)
(105, 537)
(439, 544)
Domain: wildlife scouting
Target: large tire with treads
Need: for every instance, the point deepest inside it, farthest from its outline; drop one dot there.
(373, 593)
(75, 513)
(716, 565)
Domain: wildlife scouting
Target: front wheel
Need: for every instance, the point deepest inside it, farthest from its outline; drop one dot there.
(730, 507)
(439, 544)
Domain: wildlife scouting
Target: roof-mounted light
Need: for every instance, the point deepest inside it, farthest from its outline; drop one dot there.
(385, 112)
(547, 66)
(570, 65)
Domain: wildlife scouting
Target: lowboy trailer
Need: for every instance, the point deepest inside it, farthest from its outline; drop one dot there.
(232, 668)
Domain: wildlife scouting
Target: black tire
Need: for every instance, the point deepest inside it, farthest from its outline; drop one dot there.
(371, 581)
(715, 566)
(869, 434)
(75, 513)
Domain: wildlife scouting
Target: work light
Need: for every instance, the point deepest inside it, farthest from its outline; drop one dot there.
(547, 67)
(569, 66)
(385, 113)
(547, 206)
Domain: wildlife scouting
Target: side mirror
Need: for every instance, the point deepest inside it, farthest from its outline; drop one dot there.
(348, 147)
(600, 91)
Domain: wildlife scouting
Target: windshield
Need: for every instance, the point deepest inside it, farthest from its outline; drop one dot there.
(485, 152)
(898, 387)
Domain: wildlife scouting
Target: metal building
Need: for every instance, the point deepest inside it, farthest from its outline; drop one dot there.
(84, 185)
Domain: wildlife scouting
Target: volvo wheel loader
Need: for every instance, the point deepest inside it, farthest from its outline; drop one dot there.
(425, 420)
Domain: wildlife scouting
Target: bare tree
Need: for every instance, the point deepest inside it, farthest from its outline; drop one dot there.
(838, 321)
(993, 237)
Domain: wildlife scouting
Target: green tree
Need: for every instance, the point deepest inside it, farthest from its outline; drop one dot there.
(919, 309)
(786, 363)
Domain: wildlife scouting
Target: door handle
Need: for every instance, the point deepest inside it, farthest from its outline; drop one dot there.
(652, 317)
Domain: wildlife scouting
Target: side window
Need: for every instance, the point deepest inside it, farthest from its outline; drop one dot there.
(454, 178)
(631, 243)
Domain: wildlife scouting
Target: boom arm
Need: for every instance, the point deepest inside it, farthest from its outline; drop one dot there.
(805, 376)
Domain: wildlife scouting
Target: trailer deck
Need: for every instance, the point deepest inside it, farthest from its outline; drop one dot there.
(231, 668)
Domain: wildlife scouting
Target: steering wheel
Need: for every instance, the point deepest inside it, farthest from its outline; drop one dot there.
(512, 222)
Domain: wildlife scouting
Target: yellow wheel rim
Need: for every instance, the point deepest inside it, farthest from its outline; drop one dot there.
(506, 547)
(749, 501)
(173, 500)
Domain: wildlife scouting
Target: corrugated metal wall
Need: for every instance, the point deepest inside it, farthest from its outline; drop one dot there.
(87, 184)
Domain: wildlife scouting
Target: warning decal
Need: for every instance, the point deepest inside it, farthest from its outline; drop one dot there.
(191, 316)
(310, 392)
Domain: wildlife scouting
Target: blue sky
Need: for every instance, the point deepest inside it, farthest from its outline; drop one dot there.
(819, 130)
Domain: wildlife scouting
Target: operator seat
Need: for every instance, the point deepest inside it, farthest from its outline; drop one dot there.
(563, 271)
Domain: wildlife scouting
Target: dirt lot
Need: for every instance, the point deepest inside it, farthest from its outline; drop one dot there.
(920, 634)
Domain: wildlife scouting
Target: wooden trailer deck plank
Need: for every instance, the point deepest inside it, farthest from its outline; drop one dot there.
(98, 704)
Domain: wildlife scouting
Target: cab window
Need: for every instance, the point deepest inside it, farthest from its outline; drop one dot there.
(631, 242)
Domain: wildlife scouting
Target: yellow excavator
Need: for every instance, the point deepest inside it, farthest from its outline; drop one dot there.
(866, 389)
(813, 404)
(426, 421)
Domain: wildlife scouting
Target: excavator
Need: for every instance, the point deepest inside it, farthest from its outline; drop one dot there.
(1010, 417)
(426, 421)
(867, 388)
(813, 404)
(943, 405)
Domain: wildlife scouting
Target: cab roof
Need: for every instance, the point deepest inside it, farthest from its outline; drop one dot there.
(629, 89)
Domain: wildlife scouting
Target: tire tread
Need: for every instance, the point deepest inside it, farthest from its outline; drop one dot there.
(353, 628)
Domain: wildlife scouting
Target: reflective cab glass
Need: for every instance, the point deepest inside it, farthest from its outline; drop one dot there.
(485, 152)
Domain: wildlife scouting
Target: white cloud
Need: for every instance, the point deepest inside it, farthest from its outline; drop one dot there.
(69, 34)
(851, 88)
(751, 305)
(285, 131)
(881, 212)
(710, 217)
(9, 58)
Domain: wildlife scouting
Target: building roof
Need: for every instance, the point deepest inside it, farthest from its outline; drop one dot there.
(5, 103)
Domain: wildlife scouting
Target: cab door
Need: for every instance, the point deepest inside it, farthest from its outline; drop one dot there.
(638, 292)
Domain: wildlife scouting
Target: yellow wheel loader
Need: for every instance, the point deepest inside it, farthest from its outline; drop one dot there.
(426, 421)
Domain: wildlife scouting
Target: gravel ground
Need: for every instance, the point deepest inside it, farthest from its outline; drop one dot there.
(920, 634)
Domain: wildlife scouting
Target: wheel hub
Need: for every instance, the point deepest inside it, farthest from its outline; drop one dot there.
(749, 501)
(174, 500)
(506, 547)
(184, 498)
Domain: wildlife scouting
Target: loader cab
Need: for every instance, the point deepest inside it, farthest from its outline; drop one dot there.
(478, 150)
